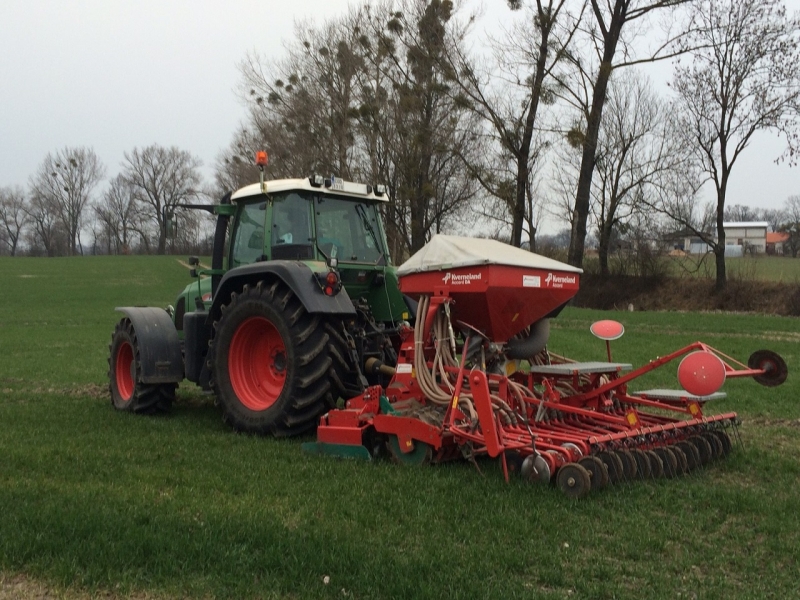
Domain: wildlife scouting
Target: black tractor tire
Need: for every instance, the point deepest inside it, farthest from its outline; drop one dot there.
(128, 393)
(269, 362)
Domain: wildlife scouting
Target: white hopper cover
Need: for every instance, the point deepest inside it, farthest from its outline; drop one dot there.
(452, 251)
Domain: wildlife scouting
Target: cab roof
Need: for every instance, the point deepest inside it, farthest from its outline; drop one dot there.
(332, 186)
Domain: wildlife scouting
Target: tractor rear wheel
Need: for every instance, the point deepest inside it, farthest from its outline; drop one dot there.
(269, 365)
(128, 393)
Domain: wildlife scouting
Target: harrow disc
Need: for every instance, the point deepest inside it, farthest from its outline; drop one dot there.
(643, 470)
(535, 468)
(628, 464)
(597, 471)
(716, 445)
(656, 464)
(574, 480)
(669, 461)
(703, 448)
(613, 465)
(723, 437)
(691, 453)
(683, 462)
(774, 367)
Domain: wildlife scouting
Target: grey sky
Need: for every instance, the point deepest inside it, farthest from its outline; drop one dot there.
(118, 75)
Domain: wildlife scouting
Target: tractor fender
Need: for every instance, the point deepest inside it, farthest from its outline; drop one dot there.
(157, 342)
(297, 275)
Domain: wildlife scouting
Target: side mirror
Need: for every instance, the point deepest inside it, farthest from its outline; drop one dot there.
(170, 224)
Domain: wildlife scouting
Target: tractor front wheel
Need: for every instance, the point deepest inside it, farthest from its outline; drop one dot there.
(269, 364)
(128, 393)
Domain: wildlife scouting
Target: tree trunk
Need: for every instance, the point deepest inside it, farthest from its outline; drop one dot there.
(582, 195)
(524, 154)
(603, 248)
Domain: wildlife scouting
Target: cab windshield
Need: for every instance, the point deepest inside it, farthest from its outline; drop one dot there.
(348, 230)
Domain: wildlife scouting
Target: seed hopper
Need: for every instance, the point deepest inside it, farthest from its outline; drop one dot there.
(474, 377)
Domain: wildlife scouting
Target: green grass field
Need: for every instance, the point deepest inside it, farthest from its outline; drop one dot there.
(761, 267)
(95, 502)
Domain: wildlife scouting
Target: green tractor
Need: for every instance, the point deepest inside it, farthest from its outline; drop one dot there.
(300, 307)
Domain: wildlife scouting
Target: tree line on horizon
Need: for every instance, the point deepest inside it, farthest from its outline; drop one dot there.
(554, 116)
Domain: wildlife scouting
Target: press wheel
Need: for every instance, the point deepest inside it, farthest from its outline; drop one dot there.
(597, 471)
(574, 480)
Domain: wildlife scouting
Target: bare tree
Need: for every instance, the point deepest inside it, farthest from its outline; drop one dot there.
(66, 181)
(791, 224)
(160, 179)
(366, 97)
(742, 79)
(637, 145)
(605, 37)
(507, 96)
(119, 215)
(13, 216)
(45, 234)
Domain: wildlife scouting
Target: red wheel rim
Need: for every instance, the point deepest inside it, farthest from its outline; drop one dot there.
(123, 370)
(257, 363)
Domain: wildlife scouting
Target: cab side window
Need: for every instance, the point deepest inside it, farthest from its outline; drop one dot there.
(248, 245)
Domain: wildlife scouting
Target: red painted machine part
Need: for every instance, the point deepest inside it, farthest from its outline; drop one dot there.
(607, 330)
(123, 370)
(701, 373)
(257, 363)
(498, 300)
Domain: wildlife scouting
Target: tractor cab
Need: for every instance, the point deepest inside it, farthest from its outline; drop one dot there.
(298, 221)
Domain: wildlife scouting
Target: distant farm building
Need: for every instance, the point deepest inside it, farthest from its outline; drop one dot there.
(740, 238)
(750, 235)
(776, 241)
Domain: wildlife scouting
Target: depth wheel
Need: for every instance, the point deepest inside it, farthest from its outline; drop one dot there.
(597, 471)
(270, 368)
(643, 470)
(420, 454)
(128, 393)
(656, 464)
(574, 480)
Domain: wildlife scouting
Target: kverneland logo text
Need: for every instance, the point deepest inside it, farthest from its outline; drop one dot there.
(460, 279)
(559, 279)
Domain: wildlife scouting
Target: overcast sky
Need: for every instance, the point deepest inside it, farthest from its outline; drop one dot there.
(117, 75)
